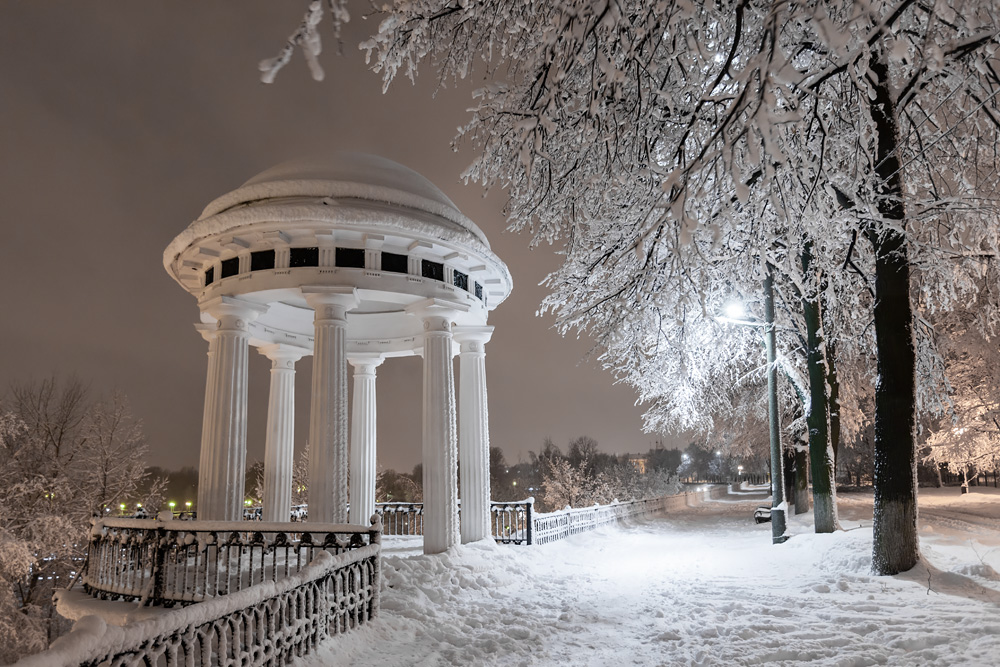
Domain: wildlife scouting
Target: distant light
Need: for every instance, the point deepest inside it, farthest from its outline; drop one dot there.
(515, 482)
(718, 453)
(734, 310)
(188, 503)
(171, 503)
(122, 505)
(138, 504)
(246, 502)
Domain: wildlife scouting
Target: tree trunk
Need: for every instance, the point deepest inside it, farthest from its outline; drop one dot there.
(788, 467)
(820, 452)
(801, 477)
(834, 402)
(895, 548)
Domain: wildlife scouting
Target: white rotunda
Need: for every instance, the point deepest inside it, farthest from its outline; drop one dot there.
(353, 259)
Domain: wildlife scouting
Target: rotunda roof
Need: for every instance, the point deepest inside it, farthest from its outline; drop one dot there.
(346, 175)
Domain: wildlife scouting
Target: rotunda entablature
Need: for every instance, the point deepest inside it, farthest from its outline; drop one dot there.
(383, 230)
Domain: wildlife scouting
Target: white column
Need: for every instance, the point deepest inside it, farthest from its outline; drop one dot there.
(223, 434)
(328, 410)
(363, 438)
(440, 442)
(279, 446)
(474, 432)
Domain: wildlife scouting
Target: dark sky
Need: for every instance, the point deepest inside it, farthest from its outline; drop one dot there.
(120, 121)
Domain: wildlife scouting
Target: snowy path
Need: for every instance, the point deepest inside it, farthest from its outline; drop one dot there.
(703, 588)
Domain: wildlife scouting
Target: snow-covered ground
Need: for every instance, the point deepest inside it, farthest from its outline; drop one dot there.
(704, 587)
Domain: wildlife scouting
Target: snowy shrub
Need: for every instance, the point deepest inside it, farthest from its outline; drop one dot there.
(63, 459)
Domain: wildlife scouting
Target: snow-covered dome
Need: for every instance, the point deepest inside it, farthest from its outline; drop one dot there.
(346, 175)
(349, 221)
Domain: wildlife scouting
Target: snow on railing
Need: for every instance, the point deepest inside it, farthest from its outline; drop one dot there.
(513, 523)
(266, 624)
(401, 518)
(553, 526)
(181, 562)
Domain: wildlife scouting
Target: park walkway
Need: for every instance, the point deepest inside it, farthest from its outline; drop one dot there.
(701, 587)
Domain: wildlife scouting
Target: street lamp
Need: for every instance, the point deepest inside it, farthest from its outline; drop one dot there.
(774, 427)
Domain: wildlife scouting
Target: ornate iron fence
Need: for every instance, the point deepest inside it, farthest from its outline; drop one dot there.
(181, 562)
(517, 522)
(513, 523)
(401, 518)
(558, 525)
(267, 624)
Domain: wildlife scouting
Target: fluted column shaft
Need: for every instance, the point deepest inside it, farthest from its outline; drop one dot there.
(328, 411)
(279, 446)
(440, 447)
(223, 435)
(474, 433)
(363, 441)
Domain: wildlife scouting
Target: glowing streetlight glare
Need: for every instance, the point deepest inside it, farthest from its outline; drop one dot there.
(188, 503)
(172, 504)
(734, 310)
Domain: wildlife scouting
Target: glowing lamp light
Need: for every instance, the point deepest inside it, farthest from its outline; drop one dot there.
(172, 504)
(188, 503)
(247, 503)
(734, 310)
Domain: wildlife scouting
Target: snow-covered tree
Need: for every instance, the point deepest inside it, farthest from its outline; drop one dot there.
(668, 145)
(63, 457)
(968, 438)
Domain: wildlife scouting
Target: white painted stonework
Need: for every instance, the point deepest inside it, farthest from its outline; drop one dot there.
(279, 448)
(363, 441)
(347, 259)
(474, 432)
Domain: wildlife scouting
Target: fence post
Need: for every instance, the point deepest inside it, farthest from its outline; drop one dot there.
(529, 520)
(159, 569)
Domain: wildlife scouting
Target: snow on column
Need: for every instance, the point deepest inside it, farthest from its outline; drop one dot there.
(279, 447)
(363, 438)
(440, 443)
(223, 435)
(474, 433)
(328, 410)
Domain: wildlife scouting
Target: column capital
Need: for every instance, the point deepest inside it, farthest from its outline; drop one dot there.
(331, 303)
(472, 339)
(207, 331)
(222, 306)
(365, 363)
(282, 355)
(437, 314)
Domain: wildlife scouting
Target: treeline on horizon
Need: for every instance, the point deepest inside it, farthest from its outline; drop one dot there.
(582, 476)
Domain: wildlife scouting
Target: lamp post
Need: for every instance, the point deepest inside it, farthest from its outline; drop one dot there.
(735, 314)
(777, 470)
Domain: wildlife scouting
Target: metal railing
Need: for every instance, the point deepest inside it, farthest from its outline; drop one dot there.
(513, 523)
(401, 518)
(517, 522)
(181, 562)
(267, 624)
